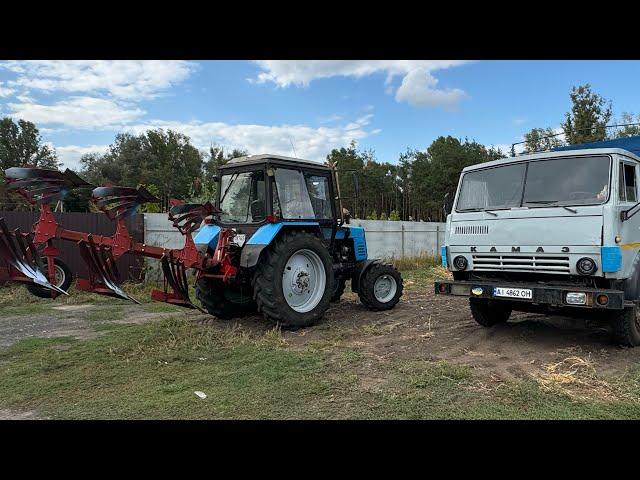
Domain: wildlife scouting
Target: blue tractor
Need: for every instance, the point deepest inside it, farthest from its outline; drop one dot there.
(279, 243)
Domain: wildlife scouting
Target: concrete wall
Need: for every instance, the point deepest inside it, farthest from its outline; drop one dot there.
(385, 239)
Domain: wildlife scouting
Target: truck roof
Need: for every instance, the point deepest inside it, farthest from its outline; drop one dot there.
(265, 157)
(554, 154)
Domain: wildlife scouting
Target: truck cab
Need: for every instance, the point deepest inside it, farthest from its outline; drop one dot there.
(554, 232)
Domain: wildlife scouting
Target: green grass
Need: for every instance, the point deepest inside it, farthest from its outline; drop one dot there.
(152, 371)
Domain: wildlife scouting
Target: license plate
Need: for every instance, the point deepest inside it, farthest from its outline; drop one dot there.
(239, 239)
(513, 292)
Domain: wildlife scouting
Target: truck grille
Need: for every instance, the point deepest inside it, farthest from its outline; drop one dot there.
(472, 229)
(521, 263)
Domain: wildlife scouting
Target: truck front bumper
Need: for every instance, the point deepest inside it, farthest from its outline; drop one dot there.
(553, 296)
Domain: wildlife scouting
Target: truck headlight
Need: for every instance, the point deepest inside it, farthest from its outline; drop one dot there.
(586, 266)
(576, 298)
(460, 262)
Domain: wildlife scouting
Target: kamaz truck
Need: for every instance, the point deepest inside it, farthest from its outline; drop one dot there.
(552, 233)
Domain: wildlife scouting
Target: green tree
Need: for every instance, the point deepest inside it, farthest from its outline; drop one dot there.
(164, 159)
(628, 130)
(394, 215)
(21, 146)
(589, 115)
(346, 160)
(372, 216)
(206, 190)
(541, 139)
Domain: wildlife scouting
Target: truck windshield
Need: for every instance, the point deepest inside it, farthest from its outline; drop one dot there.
(560, 181)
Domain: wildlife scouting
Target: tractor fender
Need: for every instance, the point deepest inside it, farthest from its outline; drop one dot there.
(263, 237)
(360, 270)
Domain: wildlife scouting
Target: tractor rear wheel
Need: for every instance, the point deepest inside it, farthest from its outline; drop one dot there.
(64, 277)
(380, 287)
(293, 282)
(223, 301)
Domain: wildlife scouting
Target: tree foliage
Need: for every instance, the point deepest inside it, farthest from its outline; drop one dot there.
(415, 186)
(588, 117)
(21, 146)
(541, 139)
(164, 159)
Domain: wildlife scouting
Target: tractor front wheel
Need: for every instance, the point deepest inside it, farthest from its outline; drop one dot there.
(380, 287)
(222, 300)
(293, 283)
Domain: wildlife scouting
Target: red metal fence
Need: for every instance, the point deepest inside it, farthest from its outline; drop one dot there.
(129, 266)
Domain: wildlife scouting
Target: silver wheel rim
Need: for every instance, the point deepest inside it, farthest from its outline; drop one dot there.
(60, 276)
(385, 288)
(304, 280)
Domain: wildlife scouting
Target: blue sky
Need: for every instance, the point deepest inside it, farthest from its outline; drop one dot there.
(266, 106)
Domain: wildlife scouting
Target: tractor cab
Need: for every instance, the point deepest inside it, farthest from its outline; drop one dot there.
(260, 189)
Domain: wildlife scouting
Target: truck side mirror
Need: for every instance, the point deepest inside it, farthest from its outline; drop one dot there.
(447, 204)
(356, 184)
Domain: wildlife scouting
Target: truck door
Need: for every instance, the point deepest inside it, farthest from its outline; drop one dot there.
(627, 197)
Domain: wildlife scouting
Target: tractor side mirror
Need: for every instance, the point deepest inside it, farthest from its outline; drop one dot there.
(447, 204)
(356, 184)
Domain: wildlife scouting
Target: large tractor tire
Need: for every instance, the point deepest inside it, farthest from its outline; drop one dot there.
(380, 287)
(488, 313)
(223, 301)
(293, 282)
(625, 327)
(64, 277)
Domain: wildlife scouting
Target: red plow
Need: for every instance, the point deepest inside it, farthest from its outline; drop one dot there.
(31, 255)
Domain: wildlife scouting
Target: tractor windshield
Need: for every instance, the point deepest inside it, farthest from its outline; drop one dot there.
(301, 195)
(242, 197)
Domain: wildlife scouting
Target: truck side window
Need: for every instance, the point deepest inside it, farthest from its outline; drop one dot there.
(628, 191)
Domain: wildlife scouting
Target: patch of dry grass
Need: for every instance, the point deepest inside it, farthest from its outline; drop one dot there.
(576, 377)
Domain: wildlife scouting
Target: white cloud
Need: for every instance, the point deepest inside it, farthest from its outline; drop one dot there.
(418, 88)
(308, 142)
(519, 120)
(5, 91)
(418, 84)
(70, 155)
(126, 79)
(78, 112)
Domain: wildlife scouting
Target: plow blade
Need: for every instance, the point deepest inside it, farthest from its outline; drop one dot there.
(188, 217)
(120, 202)
(102, 270)
(43, 184)
(175, 275)
(19, 251)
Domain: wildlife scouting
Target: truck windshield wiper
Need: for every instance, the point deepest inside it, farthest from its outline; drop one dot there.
(490, 212)
(551, 202)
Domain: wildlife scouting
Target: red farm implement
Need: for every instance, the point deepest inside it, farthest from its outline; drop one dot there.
(31, 257)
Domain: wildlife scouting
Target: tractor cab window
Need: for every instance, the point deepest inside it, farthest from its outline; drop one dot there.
(242, 197)
(300, 195)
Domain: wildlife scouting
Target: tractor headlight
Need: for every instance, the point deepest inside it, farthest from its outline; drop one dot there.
(586, 266)
(460, 262)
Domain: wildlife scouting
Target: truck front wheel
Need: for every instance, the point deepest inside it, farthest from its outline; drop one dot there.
(488, 313)
(625, 327)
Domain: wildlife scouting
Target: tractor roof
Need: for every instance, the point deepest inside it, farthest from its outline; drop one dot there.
(276, 159)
